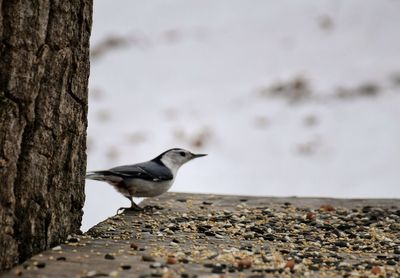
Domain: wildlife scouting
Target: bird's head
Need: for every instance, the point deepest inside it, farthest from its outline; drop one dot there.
(174, 158)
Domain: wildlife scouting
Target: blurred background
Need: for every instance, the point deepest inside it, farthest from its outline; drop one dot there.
(288, 98)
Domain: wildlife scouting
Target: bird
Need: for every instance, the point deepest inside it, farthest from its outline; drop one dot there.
(146, 179)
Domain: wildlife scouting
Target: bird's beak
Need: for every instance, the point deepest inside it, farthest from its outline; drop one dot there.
(198, 155)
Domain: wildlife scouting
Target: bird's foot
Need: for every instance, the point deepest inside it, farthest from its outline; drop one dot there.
(132, 208)
(137, 208)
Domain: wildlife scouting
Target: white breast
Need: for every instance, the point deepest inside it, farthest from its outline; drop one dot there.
(143, 188)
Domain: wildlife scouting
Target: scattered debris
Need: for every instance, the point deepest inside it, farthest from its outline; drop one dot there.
(368, 89)
(296, 90)
(143, 41)
(363, 90)
(95, 94)
(103, 116)
(200, 139)
(197, 140)
(261, 122)
(172, 36)
(136, 137)
(299, 90)
(171, 114)
(109, 43)
(117, 42)
(310, 120)
(309, 147)
(395, 78)
(325, 22)
(112, 153)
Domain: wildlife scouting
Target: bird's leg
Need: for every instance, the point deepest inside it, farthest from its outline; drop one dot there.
(133, 206)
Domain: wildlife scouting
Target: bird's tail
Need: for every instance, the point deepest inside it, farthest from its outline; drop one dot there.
(102, 176)
(95, 176)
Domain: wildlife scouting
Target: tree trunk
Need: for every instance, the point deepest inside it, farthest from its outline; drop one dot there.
(44, 70)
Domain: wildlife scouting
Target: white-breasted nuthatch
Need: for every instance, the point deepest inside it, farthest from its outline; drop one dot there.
(146, 179)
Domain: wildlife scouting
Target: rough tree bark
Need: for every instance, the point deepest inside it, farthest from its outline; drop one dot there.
(44, 70)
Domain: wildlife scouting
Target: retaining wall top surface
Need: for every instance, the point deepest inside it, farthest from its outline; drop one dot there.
(194, 235)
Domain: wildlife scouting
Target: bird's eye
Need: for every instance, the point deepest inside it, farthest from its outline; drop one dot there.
(182, 153)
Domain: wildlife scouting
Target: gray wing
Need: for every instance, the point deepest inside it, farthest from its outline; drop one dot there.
(150, 170)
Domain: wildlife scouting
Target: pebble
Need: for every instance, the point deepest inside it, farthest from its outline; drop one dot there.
(168, 231)
(171, 260)
(269, 237)
(213, 256)
(244, 263)
(73, 239)
(394, 227)
(157, 274)
(317, 260)
(18, 272)
(91, 273)
(148, 258)
(109, 257)
(248, 235)
(94, 273)
(114, 274)
(209, 233)
(311, 216)
(155, 265)
(184, 260)
(40, 264)
(217, 270)
(125, 266)
(341, 243)
(327, 208)
(290, 264)
(376, 270)
(134, 246)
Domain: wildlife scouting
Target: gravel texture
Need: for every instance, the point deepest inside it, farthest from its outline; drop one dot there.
(192, 235)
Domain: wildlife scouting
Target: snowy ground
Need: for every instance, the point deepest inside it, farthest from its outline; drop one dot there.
(287, 97)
